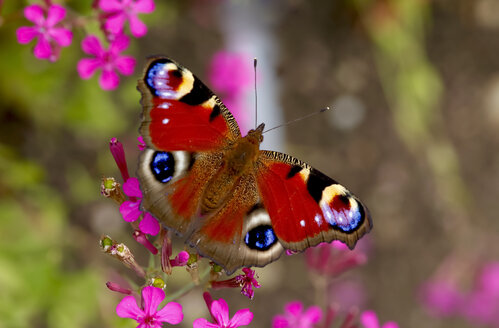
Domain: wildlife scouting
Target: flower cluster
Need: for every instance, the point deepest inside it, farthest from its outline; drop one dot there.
(128, 196)
(52, 29)
(443, 297)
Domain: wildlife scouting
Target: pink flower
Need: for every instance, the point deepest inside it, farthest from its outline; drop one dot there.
(107, 60)
(295, 317)
(231, 75)
(120, 11)
(481, 305)
(130, 209)
(246, 281)
(166, 252)
(334, 258)
(50, 37)
(219, 311)
(441, 298)
(369, 319)
(148, 316)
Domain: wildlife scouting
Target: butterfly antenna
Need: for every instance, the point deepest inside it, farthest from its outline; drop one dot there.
(256, 96)
(298, 119)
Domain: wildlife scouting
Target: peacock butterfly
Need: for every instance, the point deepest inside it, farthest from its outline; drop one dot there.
(236, 204)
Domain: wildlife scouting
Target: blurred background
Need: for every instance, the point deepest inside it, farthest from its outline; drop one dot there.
(414, 87)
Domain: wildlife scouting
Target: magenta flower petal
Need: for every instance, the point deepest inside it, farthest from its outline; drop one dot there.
(120, 43)
(181, 259)
(294, 308)
(110, 5)
(220, 311)
(61, 35)
(55, 14)
(151, 298)
(128, 308)
(369, 319)
(109, 80)
(143, 6)
(91, 45)
(35, 14)
(125, 64)
(131, 188)
(313, 314)
(43, 50)
(130, 211)
(137, 27)
(280, 321)
(115, 23)
(241, 318)
(149, 225)
(171, 313)
(25, 34)
(87, 66)
(203, 323)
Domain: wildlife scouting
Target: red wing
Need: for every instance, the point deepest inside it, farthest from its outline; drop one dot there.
(232, 236)
(307, 207)
(180, 112)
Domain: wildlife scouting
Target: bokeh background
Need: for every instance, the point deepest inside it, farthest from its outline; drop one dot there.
(414, 87)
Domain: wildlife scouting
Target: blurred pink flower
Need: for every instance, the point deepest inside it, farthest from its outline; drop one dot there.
(231, 75)
(369, 319)
(130, 209)
(347, 294)
(50, 37)
(119, 11)
(334, 258)
(441, 298)
(148, 316)
(295, 317)
(107, 60)
(481, 305)
(219, 311)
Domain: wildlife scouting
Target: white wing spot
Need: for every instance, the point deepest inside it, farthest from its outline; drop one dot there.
(302, 223)
(165, 121)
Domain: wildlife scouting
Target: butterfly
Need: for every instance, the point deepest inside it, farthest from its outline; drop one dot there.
(236, 204)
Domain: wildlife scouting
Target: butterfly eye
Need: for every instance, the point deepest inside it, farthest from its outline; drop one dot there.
(163, 166)
(260, 238)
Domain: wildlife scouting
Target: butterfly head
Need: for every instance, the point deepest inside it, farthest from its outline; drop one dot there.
(256, 136)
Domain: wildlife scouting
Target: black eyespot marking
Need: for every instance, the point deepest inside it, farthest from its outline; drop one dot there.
(198, 95)
(162, 166)
(177, 73)
(316, 183)
(260, 238)
(255, 207)
(294, 170)
(215, 112)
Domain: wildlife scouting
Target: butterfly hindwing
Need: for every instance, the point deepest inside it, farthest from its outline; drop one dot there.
(240, 233)
(307, 207)
(180, 112)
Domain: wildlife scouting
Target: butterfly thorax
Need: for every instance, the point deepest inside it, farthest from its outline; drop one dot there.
(239, 159)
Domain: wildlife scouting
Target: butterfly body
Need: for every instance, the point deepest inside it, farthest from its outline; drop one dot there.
(236, 204)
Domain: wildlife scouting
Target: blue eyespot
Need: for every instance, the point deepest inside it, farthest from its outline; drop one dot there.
(260, 238)
(154, 71)
(162, 166)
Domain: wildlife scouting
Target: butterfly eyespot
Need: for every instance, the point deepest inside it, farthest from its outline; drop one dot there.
(162, 166)
(260, 238)
(343, 213)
